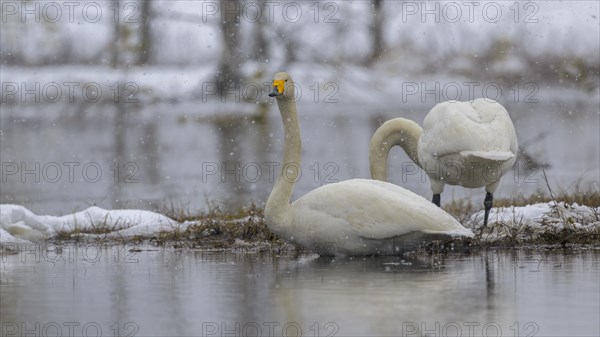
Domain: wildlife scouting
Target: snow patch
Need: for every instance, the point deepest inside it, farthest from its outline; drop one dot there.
(531, 221)
(18, 223)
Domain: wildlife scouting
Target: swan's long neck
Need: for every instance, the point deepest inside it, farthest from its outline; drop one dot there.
(278, 203)
(397, 131)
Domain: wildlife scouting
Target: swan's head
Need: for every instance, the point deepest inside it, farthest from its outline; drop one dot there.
(283, 86)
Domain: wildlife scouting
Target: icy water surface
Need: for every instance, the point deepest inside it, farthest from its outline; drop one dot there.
(85, 290)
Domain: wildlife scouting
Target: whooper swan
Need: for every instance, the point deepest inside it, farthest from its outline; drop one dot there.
(471, 144)
(353, 217)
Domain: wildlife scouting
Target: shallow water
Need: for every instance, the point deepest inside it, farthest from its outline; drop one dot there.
(180, 293)
(191, 156)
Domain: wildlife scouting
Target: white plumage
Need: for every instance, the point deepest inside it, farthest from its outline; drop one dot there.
(471, 144)
(478, 137)
(353, 217)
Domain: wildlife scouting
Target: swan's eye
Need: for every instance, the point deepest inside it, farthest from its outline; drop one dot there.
(286, 80)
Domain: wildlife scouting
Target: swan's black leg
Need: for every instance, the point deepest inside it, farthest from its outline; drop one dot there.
(436, 199)
(487, 203)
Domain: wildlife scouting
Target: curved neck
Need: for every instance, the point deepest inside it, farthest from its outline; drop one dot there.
(397, 131)
(279, 200)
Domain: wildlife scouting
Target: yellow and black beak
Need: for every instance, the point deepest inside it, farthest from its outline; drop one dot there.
(278, 86)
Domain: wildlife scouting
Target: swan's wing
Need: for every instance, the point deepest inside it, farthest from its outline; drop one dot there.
(375, 210)
(479, 126)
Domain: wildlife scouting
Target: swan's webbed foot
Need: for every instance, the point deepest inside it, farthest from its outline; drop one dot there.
(487, 203)
(436, 199)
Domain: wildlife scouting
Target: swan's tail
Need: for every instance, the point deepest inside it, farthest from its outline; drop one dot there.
(492, 156)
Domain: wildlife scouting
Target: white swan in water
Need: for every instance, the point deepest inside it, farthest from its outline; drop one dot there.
(353, 217)
(471, 144)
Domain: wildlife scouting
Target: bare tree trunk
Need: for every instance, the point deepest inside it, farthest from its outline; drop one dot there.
(376, 29)
(145, 47)
(13, 31)
(227, 74)
(259, 47)
(116, 40)
(290, 50)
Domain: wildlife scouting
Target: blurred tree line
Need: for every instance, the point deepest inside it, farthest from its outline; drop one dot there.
(131, 27)
(152, 32)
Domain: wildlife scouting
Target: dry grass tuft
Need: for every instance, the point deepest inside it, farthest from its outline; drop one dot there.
(243, 229)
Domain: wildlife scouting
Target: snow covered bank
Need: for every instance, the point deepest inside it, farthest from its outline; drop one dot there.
(18, 224)
(516, 224)
(552, 220)
(346, 86)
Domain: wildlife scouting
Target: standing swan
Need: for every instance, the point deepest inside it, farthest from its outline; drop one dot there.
(471, 144)
(353, 217)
